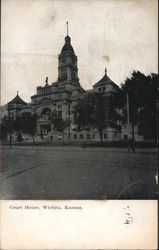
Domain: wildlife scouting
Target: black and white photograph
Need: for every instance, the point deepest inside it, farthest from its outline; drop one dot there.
(78, 107)
(78, 124)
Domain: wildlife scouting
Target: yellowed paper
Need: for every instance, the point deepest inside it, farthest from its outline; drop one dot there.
(79, 224)
(117, 35)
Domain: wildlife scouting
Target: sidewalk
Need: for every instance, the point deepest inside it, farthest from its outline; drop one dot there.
(72, 147)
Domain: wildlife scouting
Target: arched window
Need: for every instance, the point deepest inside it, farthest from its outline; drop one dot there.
(73, 75)
(63, 74)
(46, 114)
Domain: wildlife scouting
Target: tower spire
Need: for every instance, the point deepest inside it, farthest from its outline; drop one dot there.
(67, 27)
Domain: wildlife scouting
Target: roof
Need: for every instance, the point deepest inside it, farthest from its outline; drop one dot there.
(105, 81)
(17, 100)
(67, 47)
(90, 91)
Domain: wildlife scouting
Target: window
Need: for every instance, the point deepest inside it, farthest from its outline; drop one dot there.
(63, 74)
(59, 106)
(73, 75)
(60, 96)
(60, 114)
(125, 137)
(75, 137)
(62, 87)
(11, 106)
(88, 136)
(104, 88)
(99, 89)
(115, 135)
(105, 135)
(93, 136)
(48, 128)
(81, 136)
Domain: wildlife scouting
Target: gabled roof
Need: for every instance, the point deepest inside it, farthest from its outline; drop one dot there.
(17, 100)
(104, 81)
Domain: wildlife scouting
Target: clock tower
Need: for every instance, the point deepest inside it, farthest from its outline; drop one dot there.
(67, 65)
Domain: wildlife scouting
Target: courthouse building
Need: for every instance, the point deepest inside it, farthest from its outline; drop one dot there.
(62, 96)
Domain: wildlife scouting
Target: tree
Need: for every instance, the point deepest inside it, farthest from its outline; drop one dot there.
(101, 113)
(4, 128)
(115, 117)
(147, 113)
(95, 110)
(142, 92)
(84, 112)
(7, 126)
(59, 123)
(27, 123)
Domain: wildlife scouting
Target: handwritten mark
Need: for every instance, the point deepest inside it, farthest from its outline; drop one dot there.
(128, 218)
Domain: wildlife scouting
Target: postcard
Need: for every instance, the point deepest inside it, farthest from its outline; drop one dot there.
(78, 124)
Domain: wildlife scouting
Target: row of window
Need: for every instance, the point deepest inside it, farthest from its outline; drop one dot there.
(62, 87)
(47, 117)
(100, 89)
(60, 106)
(63, 75)
(60, 96)
(106, 88)
(46, 90)
(88, 136)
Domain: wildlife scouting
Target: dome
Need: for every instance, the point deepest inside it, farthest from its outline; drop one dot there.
(67, 47)
(17, 100)
(105, 80)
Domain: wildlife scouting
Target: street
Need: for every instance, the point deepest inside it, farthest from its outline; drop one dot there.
(72, 172)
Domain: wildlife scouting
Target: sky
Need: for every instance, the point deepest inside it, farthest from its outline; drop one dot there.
(120, 35)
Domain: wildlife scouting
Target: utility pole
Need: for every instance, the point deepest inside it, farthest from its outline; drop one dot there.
(133, 132)
(133, 110)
